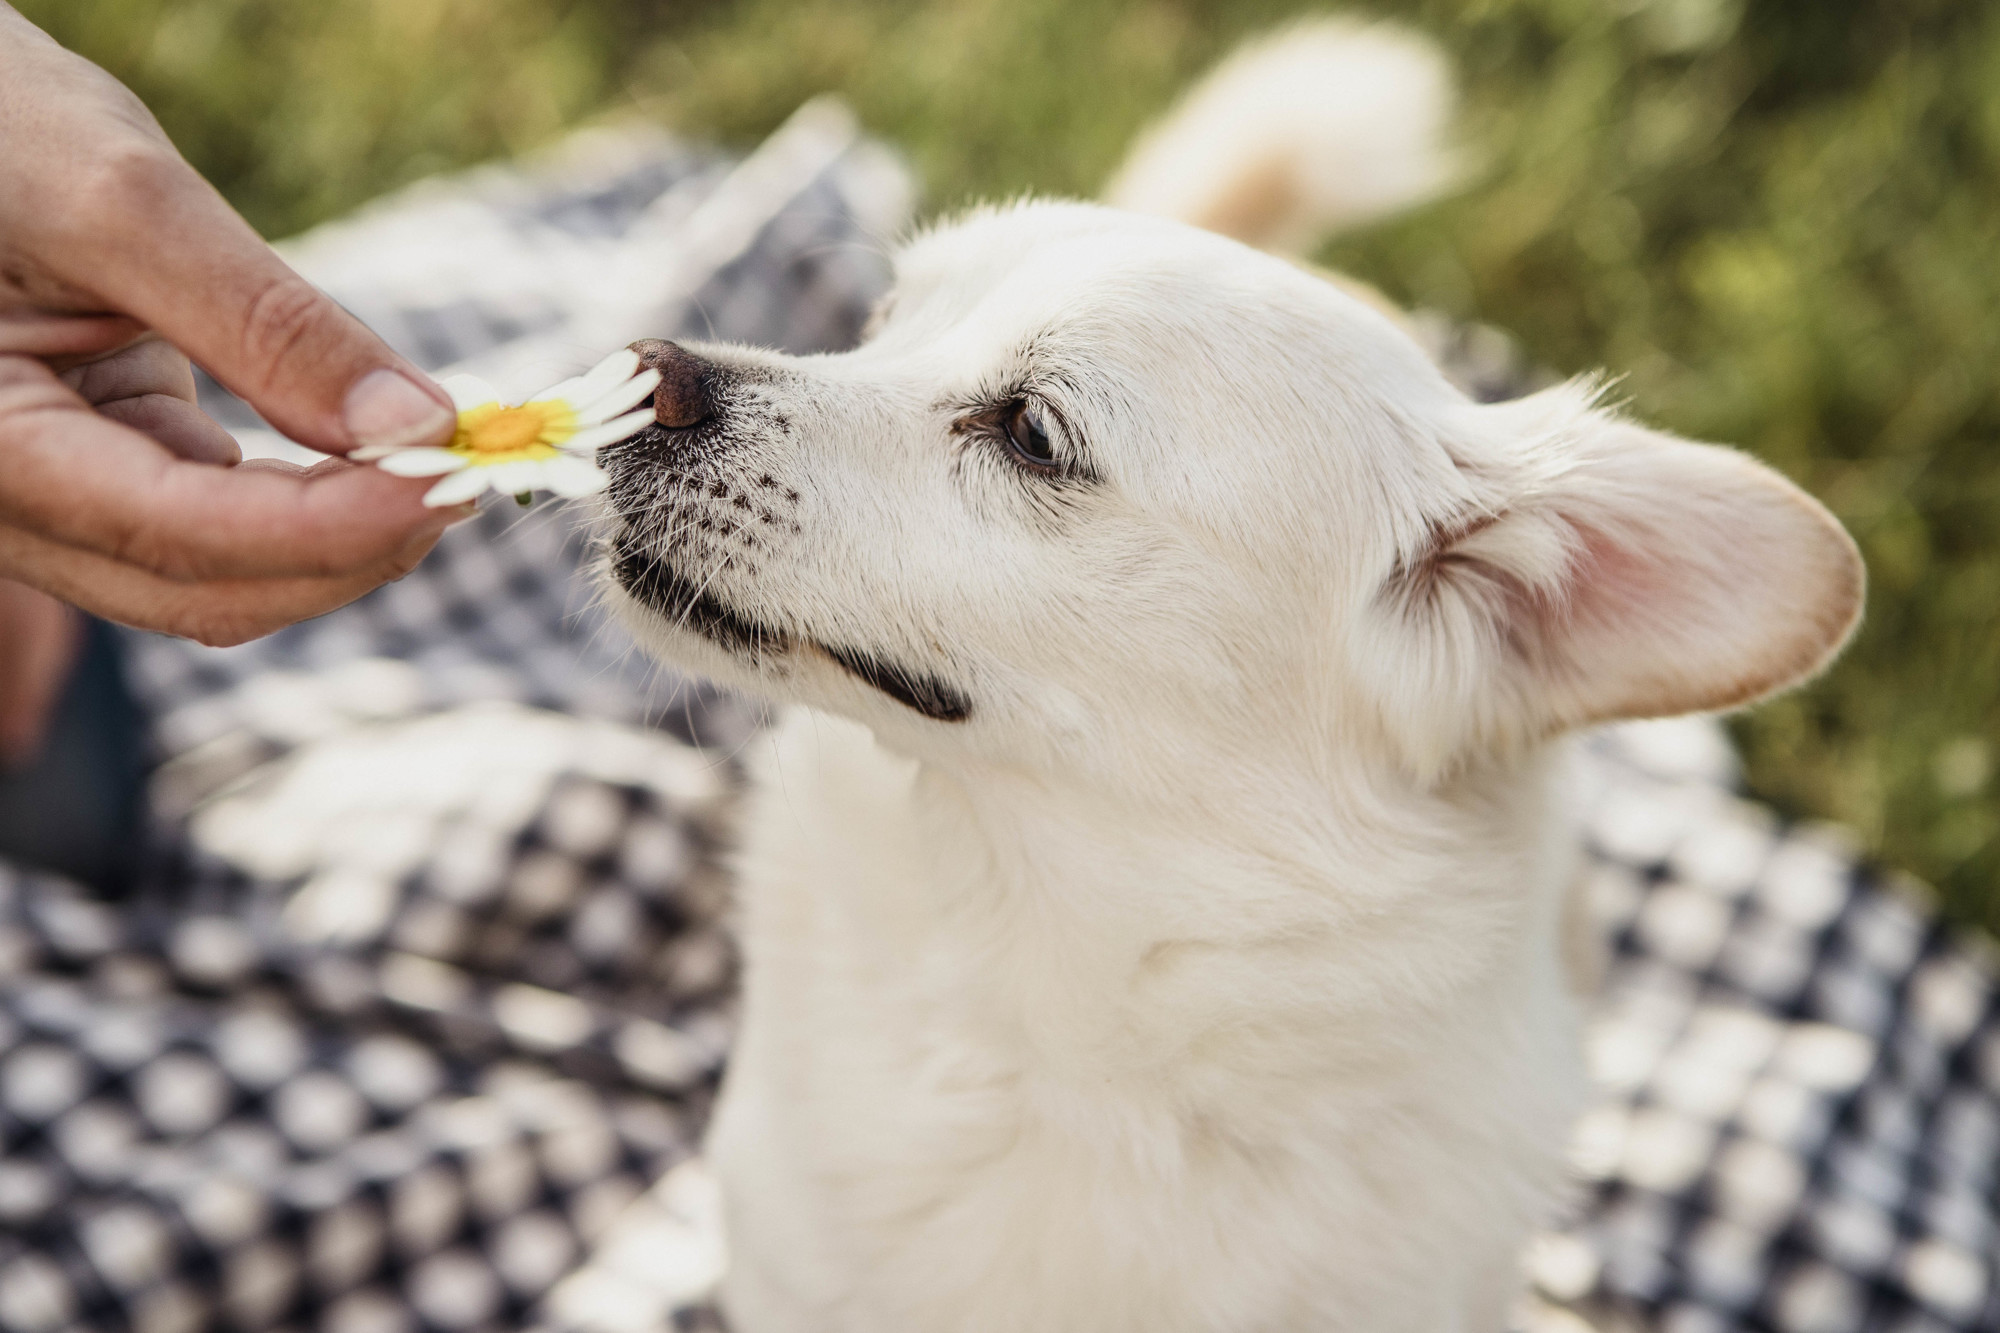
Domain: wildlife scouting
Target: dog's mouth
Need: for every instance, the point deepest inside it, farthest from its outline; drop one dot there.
(689, 605)
(934, 698)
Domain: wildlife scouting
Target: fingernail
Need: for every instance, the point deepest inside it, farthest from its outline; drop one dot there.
(386, 410)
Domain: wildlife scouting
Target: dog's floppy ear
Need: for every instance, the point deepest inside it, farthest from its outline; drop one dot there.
(1606, 571)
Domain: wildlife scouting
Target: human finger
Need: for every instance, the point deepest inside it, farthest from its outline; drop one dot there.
(74, 477)
(101, 215)
(220, 613)
(64, 338)
(199, 275)
(147, 366)
(150, 387)
(183, 428)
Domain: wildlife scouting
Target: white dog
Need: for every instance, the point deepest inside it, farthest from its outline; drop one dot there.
(1151, 917)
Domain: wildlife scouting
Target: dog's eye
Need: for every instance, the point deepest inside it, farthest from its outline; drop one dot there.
(1025, 433)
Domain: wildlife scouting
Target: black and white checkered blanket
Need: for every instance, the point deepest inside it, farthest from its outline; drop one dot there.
(417, 1018)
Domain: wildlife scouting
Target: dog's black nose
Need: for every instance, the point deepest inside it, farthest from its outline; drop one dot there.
(682, 399)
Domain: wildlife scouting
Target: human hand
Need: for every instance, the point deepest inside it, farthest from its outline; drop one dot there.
(117, 263)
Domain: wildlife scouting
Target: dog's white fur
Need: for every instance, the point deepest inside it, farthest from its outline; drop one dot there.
(1204, 976)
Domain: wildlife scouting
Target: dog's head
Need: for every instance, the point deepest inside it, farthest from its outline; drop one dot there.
(1100, 490)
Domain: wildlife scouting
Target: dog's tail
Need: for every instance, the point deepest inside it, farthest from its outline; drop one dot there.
(1298, 134)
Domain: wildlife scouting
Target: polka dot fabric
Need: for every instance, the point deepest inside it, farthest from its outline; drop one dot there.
(1798, 1126)
(383, 1135)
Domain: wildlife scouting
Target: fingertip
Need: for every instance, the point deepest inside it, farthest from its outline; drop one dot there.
(388, 409)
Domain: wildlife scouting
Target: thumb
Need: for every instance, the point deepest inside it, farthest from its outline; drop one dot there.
(165, 248)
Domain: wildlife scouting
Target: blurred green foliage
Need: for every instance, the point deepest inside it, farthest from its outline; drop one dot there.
(1778, 220)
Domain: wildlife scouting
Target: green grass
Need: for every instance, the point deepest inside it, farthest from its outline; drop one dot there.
(1778, 220)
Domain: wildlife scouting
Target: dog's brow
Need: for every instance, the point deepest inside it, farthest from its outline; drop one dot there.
(1027, 370)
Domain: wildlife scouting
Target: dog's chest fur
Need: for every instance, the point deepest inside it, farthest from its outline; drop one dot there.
(1012, 1059)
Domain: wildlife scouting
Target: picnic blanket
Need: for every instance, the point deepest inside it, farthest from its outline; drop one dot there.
(418, 1013)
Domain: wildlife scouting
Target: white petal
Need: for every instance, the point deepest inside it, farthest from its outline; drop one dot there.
(621, 399)
(469, 391)
(573, 477)
(460, 486)
(515, 478)
(607, 375)
(566, 392)
(422, 462)
(611, 432)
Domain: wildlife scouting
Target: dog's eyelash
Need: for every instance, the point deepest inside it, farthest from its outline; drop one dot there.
(988, 420)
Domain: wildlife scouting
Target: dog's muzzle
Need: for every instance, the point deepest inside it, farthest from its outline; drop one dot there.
(688, 513)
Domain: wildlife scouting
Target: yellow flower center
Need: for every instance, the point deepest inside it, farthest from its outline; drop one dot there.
(496, 434)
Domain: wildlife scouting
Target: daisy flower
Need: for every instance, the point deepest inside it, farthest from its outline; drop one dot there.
(544, 444)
